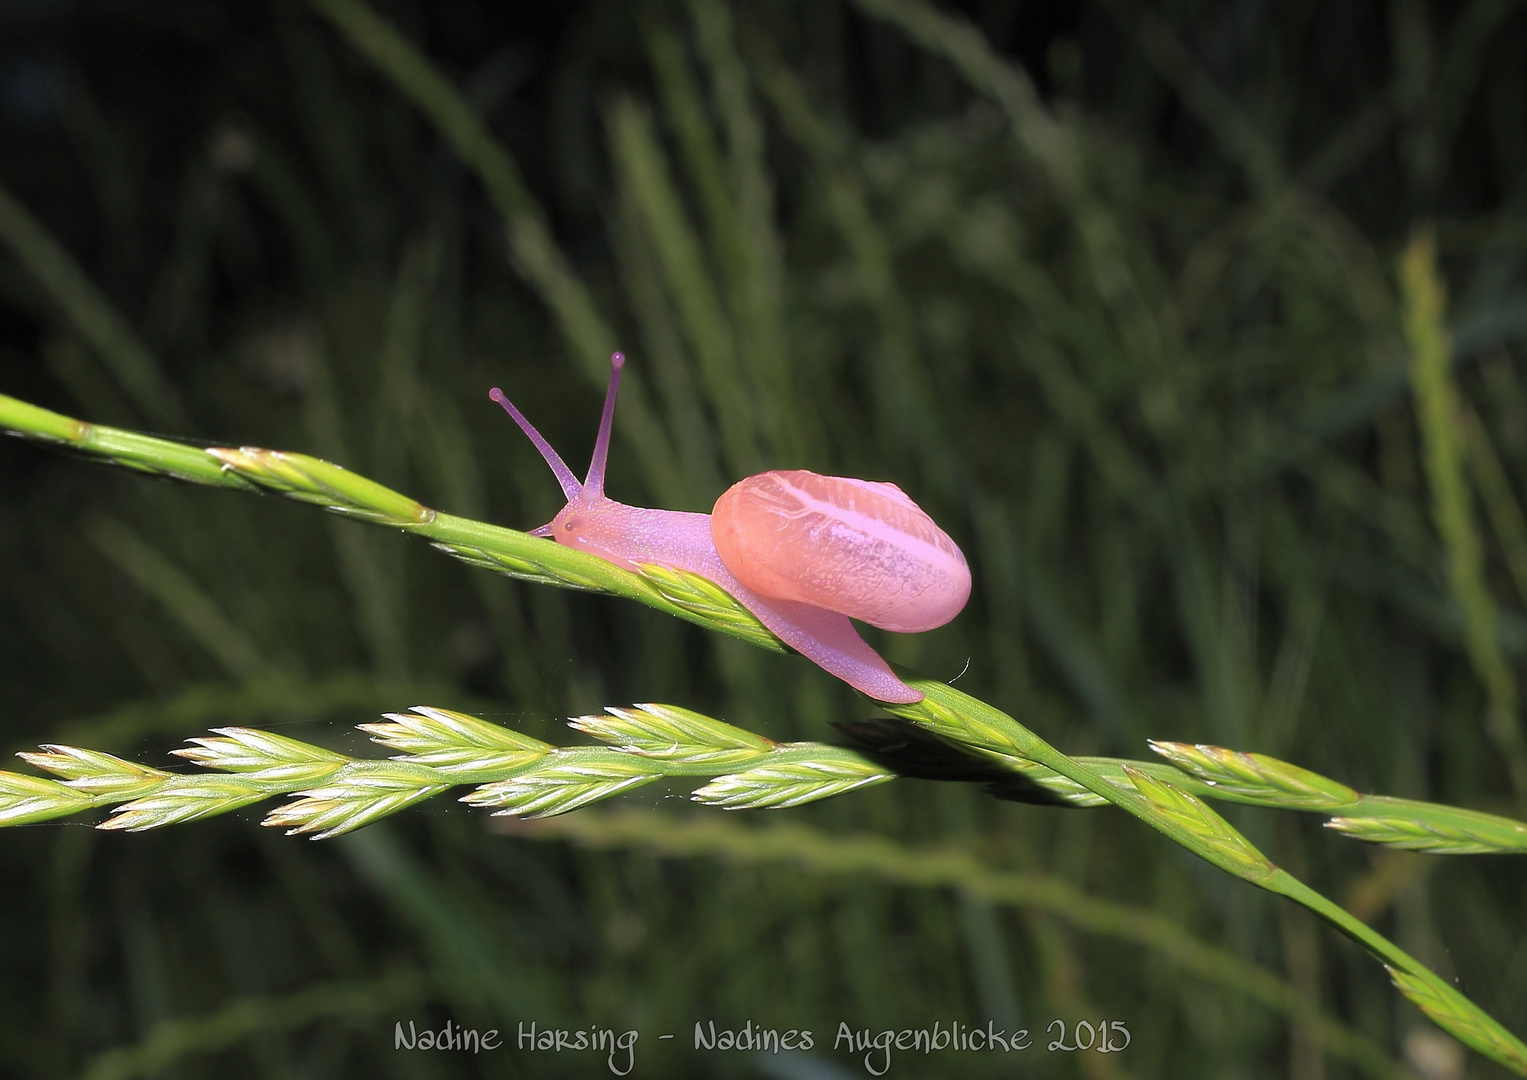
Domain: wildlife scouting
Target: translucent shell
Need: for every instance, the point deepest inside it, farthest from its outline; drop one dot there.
(852, 546)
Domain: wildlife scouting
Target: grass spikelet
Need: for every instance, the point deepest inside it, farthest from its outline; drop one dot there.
(795, 783)
(571, 779)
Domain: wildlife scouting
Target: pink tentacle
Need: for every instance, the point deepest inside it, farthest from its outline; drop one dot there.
(565, 477)
(595, 480)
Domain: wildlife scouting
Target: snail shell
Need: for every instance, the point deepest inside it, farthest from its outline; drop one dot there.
(857, 547)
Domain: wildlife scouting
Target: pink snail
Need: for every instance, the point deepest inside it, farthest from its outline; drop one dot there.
(802, 552)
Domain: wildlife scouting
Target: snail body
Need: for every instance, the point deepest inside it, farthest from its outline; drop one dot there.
(802, 552)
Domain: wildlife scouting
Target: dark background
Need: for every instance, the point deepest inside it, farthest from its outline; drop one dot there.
(1134, 342)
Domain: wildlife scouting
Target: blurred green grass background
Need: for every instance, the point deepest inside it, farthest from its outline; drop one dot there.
(1112, 290)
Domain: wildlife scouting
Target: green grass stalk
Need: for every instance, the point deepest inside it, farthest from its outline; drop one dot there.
(1443, 430)
(176, 1039)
